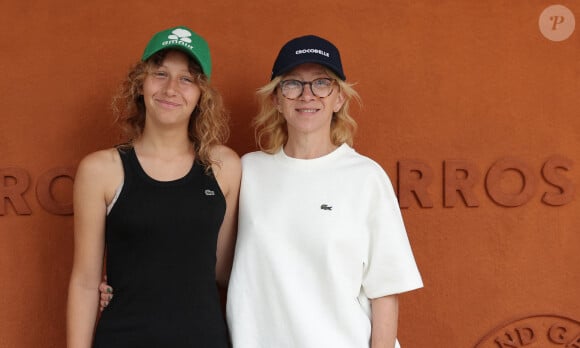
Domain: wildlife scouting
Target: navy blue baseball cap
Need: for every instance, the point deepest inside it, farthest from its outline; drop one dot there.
(308, 49)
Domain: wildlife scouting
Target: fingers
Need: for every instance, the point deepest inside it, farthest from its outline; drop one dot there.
(105, 299)
(106, 293)
(105, 288)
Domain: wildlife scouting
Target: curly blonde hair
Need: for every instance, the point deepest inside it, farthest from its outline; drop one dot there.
(271, 132)
(208, 125)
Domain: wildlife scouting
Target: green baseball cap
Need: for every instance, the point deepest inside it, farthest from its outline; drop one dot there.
(185, 40)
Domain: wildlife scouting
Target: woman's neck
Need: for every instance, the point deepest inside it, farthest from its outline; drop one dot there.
(163, 145)
(308, 148)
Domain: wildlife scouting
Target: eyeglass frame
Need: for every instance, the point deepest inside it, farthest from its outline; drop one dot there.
(302, 83)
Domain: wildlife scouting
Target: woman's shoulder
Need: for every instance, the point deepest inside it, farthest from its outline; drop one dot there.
(99, 173)
(100, 158)
(227, 167)
(100, 163)
(224, 155)
(256, 156)
(226, 161)
(363, 164)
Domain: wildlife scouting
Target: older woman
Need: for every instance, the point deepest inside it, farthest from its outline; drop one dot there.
(322, 251)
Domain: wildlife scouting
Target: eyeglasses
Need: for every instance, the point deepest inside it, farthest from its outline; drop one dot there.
(293, 89)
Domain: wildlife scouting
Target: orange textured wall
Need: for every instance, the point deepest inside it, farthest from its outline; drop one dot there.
(467, 94)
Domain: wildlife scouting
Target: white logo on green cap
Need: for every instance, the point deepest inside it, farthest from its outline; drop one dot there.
(181, 35)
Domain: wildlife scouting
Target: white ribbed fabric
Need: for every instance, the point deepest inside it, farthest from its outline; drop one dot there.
(317, 239)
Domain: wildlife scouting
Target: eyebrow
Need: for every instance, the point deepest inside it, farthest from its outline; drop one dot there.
(180, 71)
(320, 74)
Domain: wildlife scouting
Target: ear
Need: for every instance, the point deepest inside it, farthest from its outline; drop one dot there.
(276, 102)
(339, 102)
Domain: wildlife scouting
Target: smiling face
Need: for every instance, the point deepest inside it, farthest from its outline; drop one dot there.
(308, 115)
(170, 92)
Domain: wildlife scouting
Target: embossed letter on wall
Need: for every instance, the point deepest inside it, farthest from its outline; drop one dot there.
(15, 182)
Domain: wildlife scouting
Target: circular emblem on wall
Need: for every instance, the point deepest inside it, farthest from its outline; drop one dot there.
(557, 23)
(538, 331)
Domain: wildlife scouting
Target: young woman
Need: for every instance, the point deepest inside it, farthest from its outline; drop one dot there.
(322, 251)
(163, 207)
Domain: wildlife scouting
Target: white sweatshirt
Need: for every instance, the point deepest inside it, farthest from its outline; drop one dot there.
(317, 240)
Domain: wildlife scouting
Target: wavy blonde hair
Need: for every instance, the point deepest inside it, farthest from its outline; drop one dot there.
(208, 125)
(271, 131)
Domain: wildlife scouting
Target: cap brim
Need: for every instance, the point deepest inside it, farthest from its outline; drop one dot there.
(296, 63)
(180, 48)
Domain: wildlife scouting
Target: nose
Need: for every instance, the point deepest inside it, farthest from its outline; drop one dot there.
(307, 91)
(171, 86)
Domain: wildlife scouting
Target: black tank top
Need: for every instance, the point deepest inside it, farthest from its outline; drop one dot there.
(161, 242)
